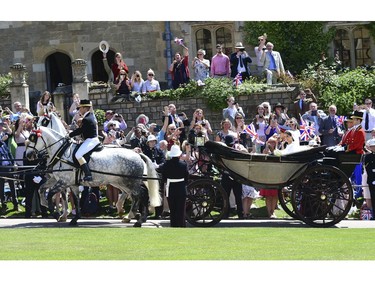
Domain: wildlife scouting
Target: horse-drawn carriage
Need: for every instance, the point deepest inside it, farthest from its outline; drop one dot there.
(313, 184)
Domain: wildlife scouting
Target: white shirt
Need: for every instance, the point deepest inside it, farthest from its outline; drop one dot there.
(371, 123)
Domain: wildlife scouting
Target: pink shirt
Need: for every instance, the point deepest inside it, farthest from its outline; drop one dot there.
(220, 65)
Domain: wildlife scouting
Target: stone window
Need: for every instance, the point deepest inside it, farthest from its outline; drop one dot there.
(353, 45)
(58, 71)
(342, 46)
(362, 47)
(206, 36)
(204, 41)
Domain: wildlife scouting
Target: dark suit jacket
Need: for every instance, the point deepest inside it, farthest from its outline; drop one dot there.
(333, 138)
(89, 128)
(297, 109)
(234, 63)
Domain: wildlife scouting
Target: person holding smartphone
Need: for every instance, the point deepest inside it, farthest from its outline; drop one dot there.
(315, 116)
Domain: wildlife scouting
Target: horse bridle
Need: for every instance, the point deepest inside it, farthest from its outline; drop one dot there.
(33, 138)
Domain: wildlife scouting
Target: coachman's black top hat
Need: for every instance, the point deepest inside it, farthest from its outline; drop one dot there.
(84, 103)
(357, 114)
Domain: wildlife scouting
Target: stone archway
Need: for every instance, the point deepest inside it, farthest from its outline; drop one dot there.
(98, 70)
(58, 71)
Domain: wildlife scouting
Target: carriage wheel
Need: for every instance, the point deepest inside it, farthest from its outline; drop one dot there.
(285, 199)
(322, 196)
(207, 202)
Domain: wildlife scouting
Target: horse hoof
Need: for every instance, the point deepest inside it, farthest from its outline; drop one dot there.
(56, 216)
(125, 220)
(62, 219)
(137, 224)
(73, 223)
(121, 213)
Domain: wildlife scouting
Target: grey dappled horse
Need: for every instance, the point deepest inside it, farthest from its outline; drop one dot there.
(123, 168)
(52, 121)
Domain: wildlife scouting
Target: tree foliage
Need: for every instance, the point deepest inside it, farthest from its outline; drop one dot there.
(299, 43)
(5, 80)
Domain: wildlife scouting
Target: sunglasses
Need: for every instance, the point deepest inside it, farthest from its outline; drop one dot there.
(368, 103)
(150, 74)
(172, 129)
(200, 54)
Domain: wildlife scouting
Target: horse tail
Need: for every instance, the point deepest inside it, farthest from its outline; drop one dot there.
(152, 185)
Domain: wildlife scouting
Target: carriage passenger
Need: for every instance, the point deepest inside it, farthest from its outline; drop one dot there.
(89, 131)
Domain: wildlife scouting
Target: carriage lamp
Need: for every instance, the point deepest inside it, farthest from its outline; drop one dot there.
(199, 141)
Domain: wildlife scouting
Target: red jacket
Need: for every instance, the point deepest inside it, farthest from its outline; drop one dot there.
(355, 140)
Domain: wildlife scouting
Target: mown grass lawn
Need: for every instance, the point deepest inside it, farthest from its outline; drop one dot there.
(243, 243)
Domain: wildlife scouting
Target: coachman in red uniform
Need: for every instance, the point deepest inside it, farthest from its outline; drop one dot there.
(355, 140)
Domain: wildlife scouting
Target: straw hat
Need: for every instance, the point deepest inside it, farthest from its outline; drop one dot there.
(239, 46)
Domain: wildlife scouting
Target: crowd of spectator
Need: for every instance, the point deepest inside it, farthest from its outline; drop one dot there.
(271, 129)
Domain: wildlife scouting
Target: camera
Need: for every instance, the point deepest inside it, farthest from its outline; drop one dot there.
(157, 129)
(203, 124)
(264, 48)
(180, 114)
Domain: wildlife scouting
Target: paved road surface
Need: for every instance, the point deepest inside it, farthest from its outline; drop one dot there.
(39, 222)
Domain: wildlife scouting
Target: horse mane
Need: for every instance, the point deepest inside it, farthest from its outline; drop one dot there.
(54, 120)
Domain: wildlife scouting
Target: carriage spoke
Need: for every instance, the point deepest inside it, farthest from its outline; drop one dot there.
(322, 197)
(206, 202)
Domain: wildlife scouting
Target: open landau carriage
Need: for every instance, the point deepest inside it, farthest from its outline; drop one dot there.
(313, 185)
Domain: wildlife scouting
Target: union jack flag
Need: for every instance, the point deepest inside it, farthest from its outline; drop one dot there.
(306, 130)
(179, 41)
(238, 79)
(251, 131)
(340, 120)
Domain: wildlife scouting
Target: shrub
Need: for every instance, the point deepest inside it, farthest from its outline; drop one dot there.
(351, 86)
(100, 116)
(5, 80)
(214, 92)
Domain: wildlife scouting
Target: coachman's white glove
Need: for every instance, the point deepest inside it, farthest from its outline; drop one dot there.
(339, 148)
(37, 179)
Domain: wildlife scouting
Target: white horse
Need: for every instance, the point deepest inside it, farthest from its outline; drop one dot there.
(52, 121)
(123, 168)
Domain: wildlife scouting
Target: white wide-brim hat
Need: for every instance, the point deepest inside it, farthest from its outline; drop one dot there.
(151, 138)
(142, 116)
(104, 46)
(175, 151)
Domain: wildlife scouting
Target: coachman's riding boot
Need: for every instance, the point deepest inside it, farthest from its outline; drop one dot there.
(85, 168)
